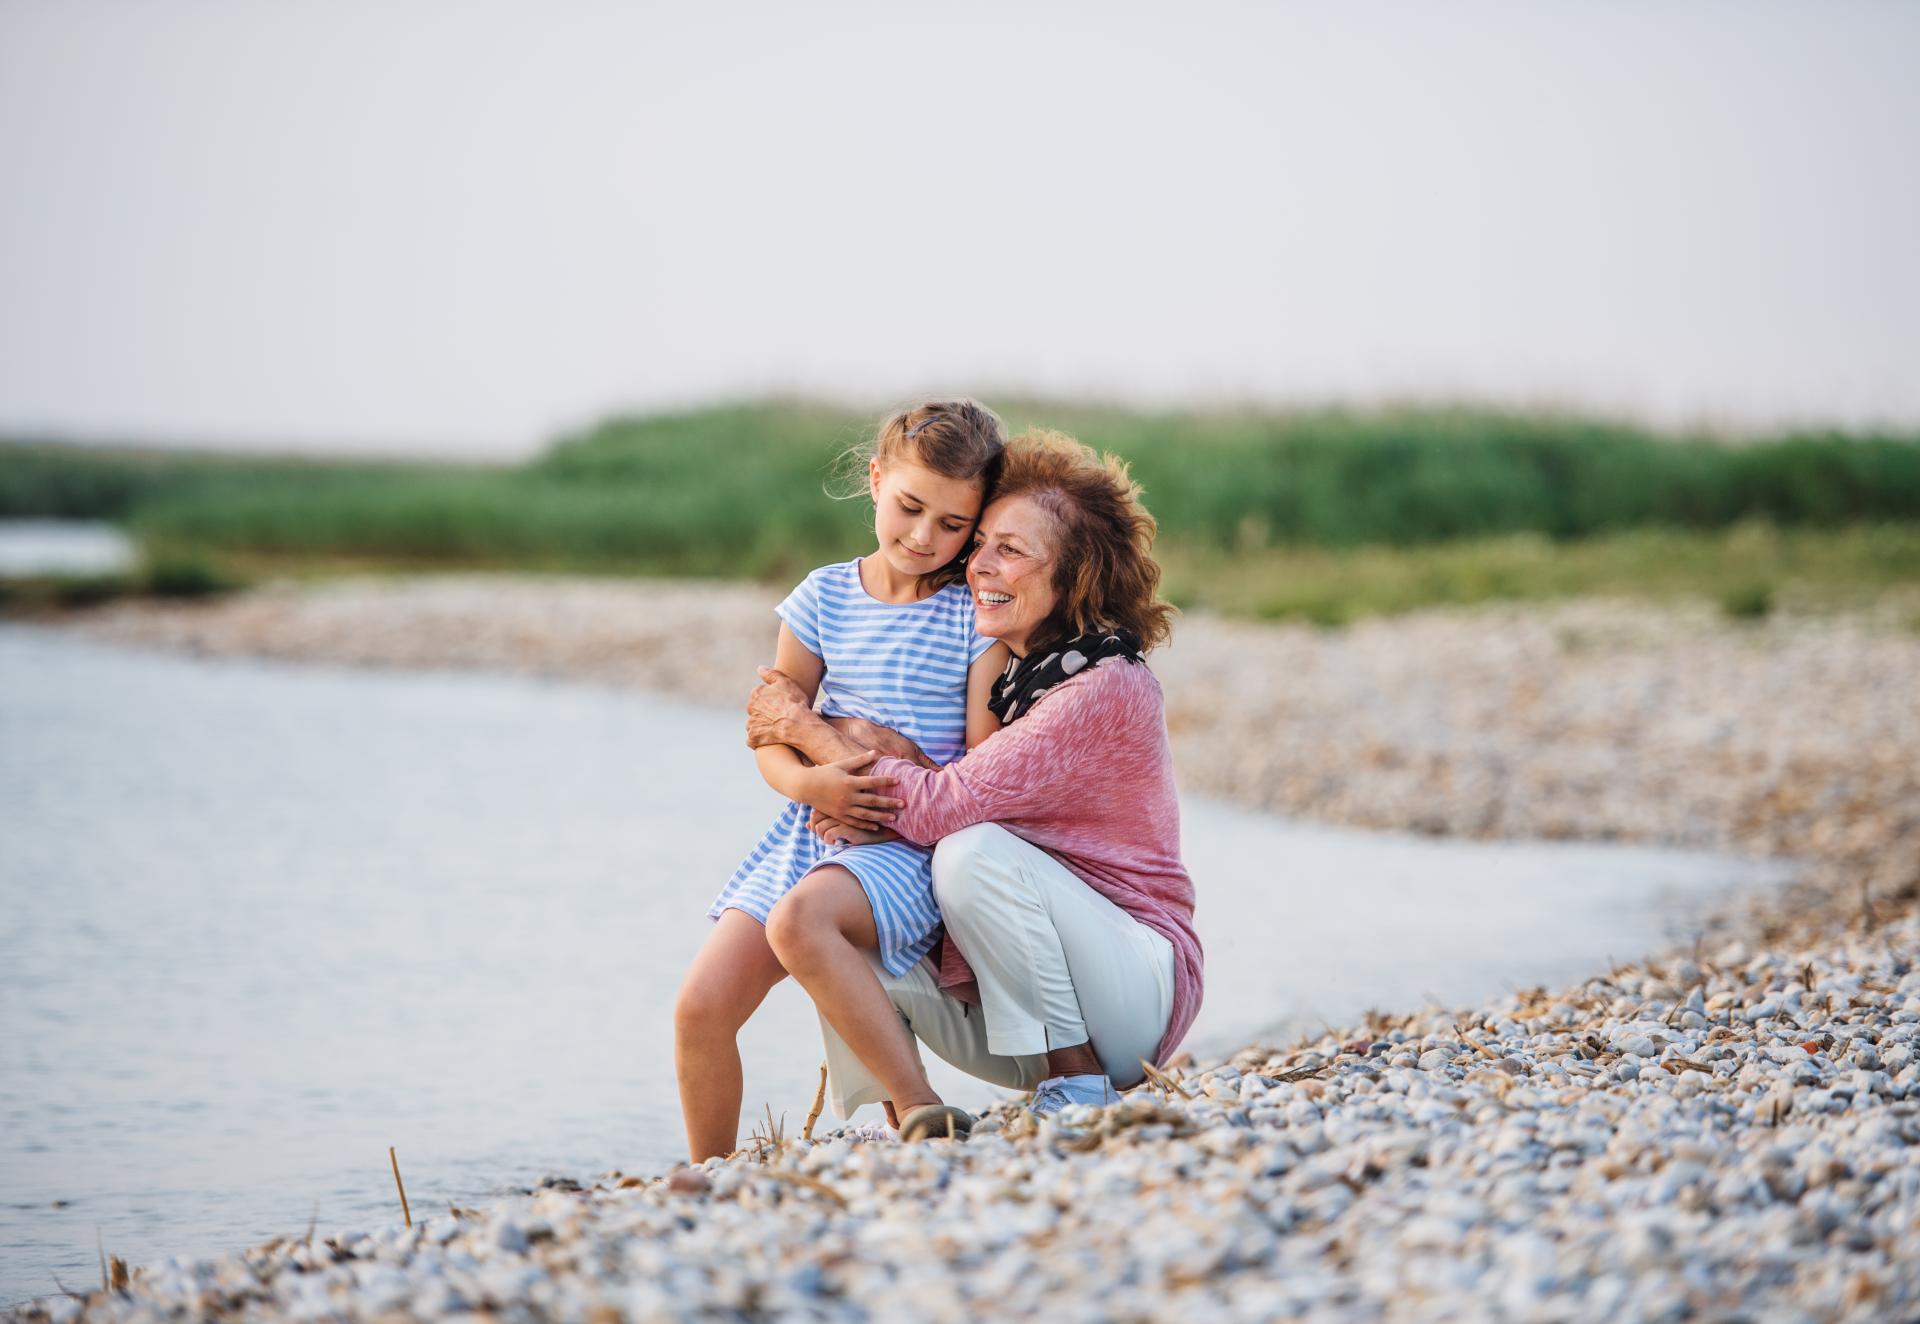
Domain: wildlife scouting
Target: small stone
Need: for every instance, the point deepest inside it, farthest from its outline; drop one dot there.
(688, 1181)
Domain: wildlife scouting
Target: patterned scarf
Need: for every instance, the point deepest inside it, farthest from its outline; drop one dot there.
(1027, 678)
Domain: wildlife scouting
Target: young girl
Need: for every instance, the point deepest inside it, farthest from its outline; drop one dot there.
(888, 638)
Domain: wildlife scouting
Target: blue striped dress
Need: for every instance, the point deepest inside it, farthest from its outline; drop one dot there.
(900, 665)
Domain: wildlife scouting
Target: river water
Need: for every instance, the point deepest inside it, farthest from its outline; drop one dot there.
(63, 547)
(260, 921)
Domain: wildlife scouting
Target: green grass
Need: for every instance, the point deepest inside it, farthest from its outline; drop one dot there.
(1749, 570)
(1407, 478)
(1323, 515)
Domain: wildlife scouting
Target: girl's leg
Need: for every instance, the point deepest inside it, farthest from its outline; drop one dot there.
(822, 932)
(952, 1029)
(729, 978)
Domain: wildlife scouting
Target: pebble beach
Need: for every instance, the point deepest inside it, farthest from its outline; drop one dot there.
(1728, 1130)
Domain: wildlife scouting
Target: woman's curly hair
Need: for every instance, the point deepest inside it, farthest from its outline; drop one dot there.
(1103, 572)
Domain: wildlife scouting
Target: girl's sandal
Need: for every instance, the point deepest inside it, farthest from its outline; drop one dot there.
(936, 1121)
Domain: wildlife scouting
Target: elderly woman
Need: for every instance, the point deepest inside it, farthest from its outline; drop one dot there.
(1069, 918)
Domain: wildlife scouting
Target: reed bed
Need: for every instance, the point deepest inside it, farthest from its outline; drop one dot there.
(1318, 514)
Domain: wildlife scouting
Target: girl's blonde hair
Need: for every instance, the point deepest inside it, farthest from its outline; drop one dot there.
(953, 438)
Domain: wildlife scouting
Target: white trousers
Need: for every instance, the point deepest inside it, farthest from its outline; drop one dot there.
(1058, 965)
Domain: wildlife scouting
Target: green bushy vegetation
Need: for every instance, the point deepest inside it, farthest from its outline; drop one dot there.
(1321, 514)
(1335, 479)
(1748, 570)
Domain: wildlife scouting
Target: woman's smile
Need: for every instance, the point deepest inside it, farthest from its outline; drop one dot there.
(1011, 571)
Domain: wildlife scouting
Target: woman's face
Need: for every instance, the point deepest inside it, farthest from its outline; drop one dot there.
(1011, 573)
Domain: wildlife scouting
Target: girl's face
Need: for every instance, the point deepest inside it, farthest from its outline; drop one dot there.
(924, 519)
(1011, 573)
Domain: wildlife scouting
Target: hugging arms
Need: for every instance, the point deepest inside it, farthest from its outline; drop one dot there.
(1019, 906)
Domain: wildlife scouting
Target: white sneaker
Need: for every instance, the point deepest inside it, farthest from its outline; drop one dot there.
(1057, 1092)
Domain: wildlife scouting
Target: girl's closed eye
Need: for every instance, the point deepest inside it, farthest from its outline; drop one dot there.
(950, 525)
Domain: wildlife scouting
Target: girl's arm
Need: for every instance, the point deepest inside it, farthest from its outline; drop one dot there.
(782, 766)
(986, 669)
(833, 786)
(981, 723)
(1061, 747)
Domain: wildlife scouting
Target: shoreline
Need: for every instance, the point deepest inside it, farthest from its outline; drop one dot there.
(1584, 719)
(1729, 1128)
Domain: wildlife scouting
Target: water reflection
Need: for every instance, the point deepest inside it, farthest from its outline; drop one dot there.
(63, 547)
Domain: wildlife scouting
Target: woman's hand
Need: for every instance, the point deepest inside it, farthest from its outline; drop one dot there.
(871, 735)
(832, 830)
(838, 790)
(775, 703)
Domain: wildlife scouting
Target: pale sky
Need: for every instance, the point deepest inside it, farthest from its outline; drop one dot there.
(463, 227)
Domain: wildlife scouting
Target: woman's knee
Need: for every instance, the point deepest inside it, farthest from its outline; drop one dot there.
(959, 865)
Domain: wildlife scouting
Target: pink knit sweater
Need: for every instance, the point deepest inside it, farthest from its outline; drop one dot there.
(1087, 776)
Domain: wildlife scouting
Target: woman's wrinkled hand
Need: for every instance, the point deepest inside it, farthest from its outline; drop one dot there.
(871, 735)
(831, 830)
(777, 700)
(839, 790)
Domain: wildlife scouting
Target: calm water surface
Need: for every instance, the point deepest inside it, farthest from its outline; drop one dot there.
(259, 922)
(63, 547)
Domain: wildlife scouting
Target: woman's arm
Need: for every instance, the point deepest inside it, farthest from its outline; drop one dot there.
(781, 765)
(1057, 749)
(986, 669)
(779, 712)
(881, 740)
(981, 723)
(833, 784)
(860, 733)
(1049, 767)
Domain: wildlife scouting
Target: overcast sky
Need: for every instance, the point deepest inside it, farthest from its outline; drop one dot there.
(464, 226)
